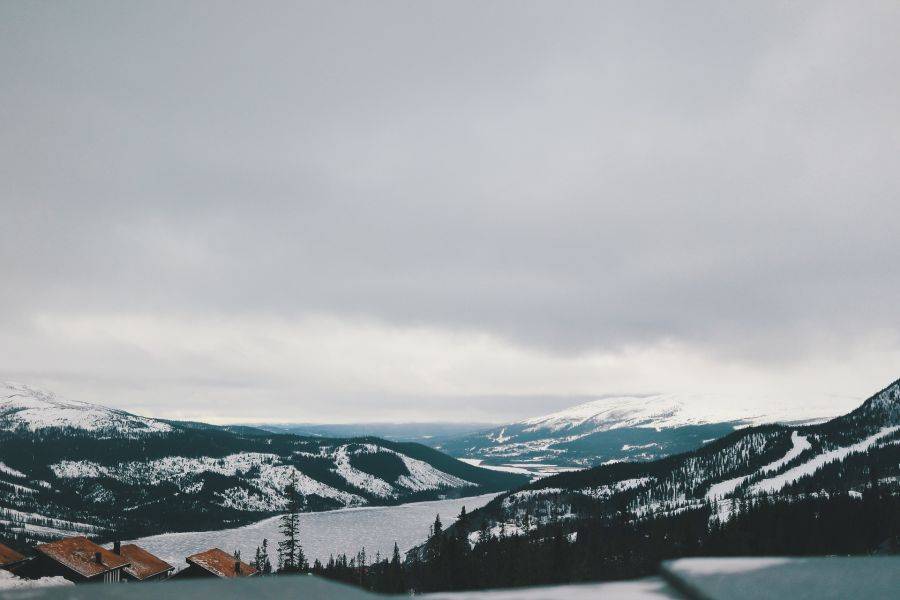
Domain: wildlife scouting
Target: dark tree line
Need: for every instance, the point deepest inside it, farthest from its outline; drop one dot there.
(609, 547)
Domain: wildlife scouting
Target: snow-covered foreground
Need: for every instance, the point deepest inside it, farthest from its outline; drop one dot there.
(652, 588)
(9, 581)
(323, 533)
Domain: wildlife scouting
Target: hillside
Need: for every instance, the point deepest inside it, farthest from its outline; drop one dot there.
(610, 430)
(75, 467)
(844, 456)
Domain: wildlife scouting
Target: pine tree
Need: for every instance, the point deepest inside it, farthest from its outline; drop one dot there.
(395, 574)
(290, 553)
(264, 565)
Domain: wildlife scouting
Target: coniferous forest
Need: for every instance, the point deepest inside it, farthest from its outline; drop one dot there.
(620, 547)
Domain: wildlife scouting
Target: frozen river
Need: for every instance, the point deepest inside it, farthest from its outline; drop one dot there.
(322, 533)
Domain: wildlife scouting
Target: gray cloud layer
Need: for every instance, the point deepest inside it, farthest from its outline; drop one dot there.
(572, 178)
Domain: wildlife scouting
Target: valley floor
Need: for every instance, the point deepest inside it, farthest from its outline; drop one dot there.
(323, 534)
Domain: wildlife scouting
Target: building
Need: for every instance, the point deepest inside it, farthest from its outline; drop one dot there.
(144, 566)
(78, 559)
(215, 563)
(10, 559)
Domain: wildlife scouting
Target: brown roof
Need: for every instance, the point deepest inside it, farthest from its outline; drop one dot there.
(79, 554)
(220, 563)
(9, 556)
(143, 564)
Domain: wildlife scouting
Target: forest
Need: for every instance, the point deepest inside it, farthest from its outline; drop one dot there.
(619, 546)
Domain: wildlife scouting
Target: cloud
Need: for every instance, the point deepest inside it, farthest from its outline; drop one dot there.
(567, 182)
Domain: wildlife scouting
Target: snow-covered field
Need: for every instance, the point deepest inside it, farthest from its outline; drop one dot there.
(323, 533)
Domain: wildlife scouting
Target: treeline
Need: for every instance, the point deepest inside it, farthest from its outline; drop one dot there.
(619, 547)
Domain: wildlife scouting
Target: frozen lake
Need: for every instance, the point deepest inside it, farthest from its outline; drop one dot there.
(322, 533)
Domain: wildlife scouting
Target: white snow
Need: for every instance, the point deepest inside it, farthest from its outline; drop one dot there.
(22, 406)
(360, 479)
(35, 522)
(725, 566)
(21, 489)
(652, 588)
(535, 470)
(422, 476)
(627, 447)
(774, 484)
(4, 468)
(323, 533)
(527, 495)
(662, 411)
(605, 491)
(9, 581)
(270, 477)
(270, 482)
(723, 488)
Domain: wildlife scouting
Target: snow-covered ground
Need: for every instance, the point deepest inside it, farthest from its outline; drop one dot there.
(8, 581)
(323, 533)
(652, 588)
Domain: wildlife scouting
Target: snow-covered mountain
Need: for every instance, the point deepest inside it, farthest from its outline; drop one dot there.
(31, 409)
(72, 467)
(847, 456)
(608, 429)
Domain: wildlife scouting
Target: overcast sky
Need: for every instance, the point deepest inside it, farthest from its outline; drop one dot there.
(347, 211)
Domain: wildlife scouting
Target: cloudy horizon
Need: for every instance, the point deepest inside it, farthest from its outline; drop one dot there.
(467, 211)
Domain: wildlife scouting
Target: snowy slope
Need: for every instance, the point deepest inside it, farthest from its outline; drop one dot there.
(664, 411)
(747, 466)
(22, 406)
(635, 427)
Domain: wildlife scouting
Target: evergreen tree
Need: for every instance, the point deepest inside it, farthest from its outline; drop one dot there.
(290, 552)
(395, 584)
(264, 565)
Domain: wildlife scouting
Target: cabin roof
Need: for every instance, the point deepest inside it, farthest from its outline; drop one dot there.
(143, 564)
(80, 555)
(9, 556)
(220, 563)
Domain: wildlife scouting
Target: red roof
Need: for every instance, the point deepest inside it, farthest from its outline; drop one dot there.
(220, 563)
(143, 564)
(80, 555)
(9, 556)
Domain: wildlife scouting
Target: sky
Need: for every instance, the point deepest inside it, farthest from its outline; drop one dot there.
(466, 211)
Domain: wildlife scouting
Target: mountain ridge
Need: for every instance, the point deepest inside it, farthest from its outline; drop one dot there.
(74, 467)
(845, 456)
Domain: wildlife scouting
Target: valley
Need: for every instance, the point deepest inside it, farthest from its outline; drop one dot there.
(323, 534)
(70, 467)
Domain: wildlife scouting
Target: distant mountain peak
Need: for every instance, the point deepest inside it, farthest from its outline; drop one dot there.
(657, 411)
(25, 407)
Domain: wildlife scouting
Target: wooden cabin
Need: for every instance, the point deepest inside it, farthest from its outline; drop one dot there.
(10, 559)
(144, 565)
(78, 559)
(215, 563)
